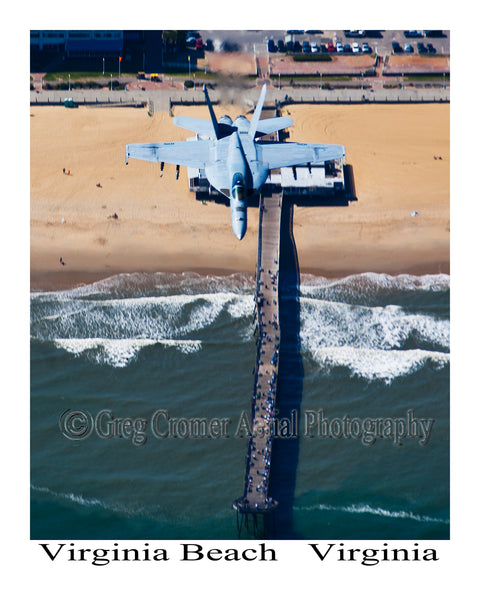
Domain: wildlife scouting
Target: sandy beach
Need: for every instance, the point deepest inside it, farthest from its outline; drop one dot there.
(161, 227)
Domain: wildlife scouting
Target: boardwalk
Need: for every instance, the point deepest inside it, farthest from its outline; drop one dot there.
(163, 100)
(256, 498)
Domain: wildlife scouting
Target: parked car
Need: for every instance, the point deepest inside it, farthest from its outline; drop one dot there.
(330, 47)
(413, 33)
(431, 49)
(281, 46)
(355, 47)
(396, 47)
(366, 47)
(290, 47)
(314, 47)
(306, 46)
(323, 48)
(271, 46)
(339, 47)
(354, 33)
(421, 48)
(296, 46)
(408, 48)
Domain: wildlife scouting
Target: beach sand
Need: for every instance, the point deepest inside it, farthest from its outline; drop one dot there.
(161, 227)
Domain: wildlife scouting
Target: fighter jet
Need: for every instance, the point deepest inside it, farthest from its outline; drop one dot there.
(235, 160)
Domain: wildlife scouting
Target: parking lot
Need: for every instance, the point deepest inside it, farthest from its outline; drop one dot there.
(380, 42)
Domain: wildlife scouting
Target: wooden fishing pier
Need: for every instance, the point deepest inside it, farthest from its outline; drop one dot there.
(320, 185)
(256, 499)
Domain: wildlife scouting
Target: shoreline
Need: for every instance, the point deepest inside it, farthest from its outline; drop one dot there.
(53, 281)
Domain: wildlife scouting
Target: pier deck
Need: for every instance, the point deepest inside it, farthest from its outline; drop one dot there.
(256, 497)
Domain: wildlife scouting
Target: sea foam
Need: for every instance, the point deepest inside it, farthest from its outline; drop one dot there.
(114, 330)
(379, 342)
(119, 353)
(377, 511)
(379, 364)
(349, 322)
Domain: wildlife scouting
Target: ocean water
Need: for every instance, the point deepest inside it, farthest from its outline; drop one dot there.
(122, 367)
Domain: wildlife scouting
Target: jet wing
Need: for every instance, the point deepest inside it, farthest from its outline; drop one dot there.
(187, 154)
(287, 154)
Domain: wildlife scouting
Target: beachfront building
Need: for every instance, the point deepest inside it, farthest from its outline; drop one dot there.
(140, 50)
(78, 42)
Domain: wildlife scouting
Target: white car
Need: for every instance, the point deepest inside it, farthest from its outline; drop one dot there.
(365, 47)
(339, 47)
(314, 47)
(355, 47)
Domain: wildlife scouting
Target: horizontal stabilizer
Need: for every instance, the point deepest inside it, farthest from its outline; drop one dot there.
(271, 125)
(203, 127)
(200, 126)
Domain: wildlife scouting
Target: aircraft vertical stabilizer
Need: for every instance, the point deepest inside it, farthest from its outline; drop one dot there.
(258, 111)
(212, 114)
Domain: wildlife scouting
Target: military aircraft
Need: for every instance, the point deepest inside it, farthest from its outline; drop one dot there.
(235, 160)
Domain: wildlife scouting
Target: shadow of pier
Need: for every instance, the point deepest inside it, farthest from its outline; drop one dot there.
(285, 451)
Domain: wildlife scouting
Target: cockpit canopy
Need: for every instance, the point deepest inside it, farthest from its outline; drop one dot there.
(238, 187)
(238, 180)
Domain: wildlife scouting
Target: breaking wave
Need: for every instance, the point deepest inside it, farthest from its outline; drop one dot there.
(118, 353)
(374, 325)
(368, 287)
(381, 512)
(105, 326)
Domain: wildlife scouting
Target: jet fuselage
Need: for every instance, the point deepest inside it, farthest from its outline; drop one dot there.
(245, 174)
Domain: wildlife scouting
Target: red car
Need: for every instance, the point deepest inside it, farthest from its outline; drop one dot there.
(330, 47)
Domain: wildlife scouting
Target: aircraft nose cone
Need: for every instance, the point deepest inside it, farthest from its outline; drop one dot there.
(239, 229)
